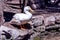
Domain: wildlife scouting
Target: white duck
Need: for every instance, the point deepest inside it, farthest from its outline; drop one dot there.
(22, 18)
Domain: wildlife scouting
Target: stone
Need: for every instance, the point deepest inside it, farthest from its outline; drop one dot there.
(34, 35)
(15, 33)
(1, 12)
(37, 20)
(49, 20)
(57, 18)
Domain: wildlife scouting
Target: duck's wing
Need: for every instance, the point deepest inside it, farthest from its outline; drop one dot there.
(22, 16)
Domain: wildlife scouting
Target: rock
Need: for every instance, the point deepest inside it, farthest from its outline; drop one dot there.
(30, 22)
(49, 20)
(35, 4)
(34, 35)
(39, 28)
(1, 12)
(57, 18)
(37, 20)
(15, 33)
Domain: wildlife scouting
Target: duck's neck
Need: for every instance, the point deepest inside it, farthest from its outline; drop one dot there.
(27, 12)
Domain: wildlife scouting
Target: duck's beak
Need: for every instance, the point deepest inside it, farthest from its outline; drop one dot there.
(31, 10)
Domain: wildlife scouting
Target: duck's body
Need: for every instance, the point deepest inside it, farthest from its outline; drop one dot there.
(27, 15)
(22, 18)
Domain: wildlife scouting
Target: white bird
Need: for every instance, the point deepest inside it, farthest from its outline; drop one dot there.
(23, 18)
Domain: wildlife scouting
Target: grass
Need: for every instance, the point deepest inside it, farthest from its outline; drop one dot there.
(37, 38)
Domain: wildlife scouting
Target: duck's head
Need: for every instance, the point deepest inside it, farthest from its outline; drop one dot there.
(28, 8)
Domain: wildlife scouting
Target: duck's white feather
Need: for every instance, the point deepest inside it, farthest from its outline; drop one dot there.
(23, 16)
